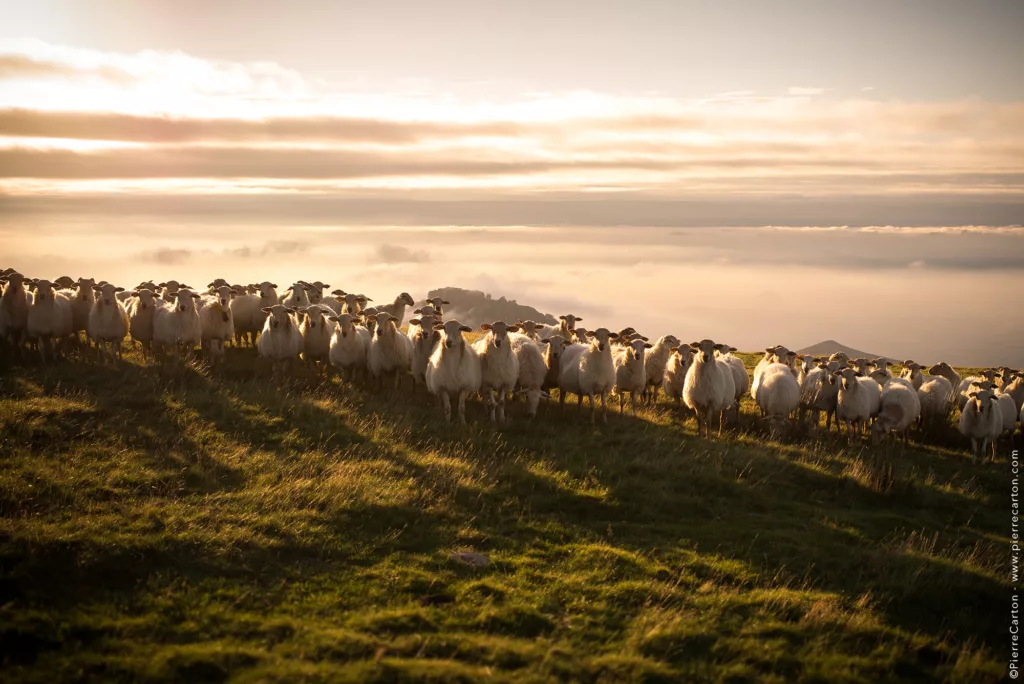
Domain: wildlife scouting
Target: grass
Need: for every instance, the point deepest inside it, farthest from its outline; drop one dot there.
(209, 529)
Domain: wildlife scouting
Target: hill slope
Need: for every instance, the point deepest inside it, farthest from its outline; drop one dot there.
(831, 346)
(199, 529)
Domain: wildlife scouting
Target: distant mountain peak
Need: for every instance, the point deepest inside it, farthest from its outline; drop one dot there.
(829, 347)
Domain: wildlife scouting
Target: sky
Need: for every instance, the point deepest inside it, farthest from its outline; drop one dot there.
(757, 173)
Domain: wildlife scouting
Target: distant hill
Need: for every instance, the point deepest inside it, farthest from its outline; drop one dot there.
(473, 307)
(829, 347)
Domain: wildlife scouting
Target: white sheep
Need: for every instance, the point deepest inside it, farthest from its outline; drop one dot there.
(776, 354)
(350, 345)
(315, 294)
(899, 406)
(317, 330)
(590, 372)
(981, 421)
(454, 368)
(655, 363)
(50, 317)
(217, 322)
(778, 395)
(855, 400)
(81, 304)
(554, 346)
(838, 361)
(1013, 384)
(631, 371)
(170, 288)
(280, 341)
(532, 370)
(141, 309)
(248, 311)
(176, 325)
(937, 398)
(438, 303)
(423, 336)
(531, 329)
(353, 303)
(13, 310)
(499, 366)
(390, 350)
(912, 372)
(1009, 412)
(397, 308)
(295, 297)
(707, 389)
(741, 381)
(679, 363)
(943, 369)
(819, 392)
(108, 321)
(987, 375)
(565, 328)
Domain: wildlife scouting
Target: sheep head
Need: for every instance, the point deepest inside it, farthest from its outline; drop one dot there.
(451, 333)
(705, 349)
(498, 332)
(279, 316)
(185, 300)
(107, 293)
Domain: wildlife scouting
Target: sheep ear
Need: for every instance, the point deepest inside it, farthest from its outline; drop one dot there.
(673, 349)
(578, 319)
(196, 296)
(417, 311)
(267, 310)
(696, 345)
(414, 321)
(96, 288)
(134, 293)
(589, 334)
(732, 349)
(162, 285)
(465, 328)
(513, 328)
(338, 293)
(562, 317)
(647, 345)
(485, 326)
(118, 289)
(333, 318)
(437, 326)
(445, 301)
(611, 336)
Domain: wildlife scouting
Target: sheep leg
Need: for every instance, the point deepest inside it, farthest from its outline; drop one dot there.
(604, 407)
(501, 406)
(593, 407)
(446, 404)
(622, 402)
(992, 456)
(654, 395)
(632, 402)
(462, 407)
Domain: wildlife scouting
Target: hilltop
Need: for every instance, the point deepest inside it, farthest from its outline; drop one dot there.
(831, 347)
(474, 307)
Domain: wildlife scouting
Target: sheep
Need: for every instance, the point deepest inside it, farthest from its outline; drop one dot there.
(108, 321)
(141, 310)
(296, 297)
(776, 354)
(248, 311)
(350, 345)
(397, 308)
(778, 395)
(454, 367)
(855, 400)
(81, 305)
(965, 384)
(169, 289)
(438, 303)
(899, 406)
(579, 335)
(981, 421)
(1013, 384)
(912, 372)
(317, 330)
(280, 341)
(531, 329)
(65, 282)
(176, 324)
(861, 365)
(315, 292)
(626, 336)
(217, 322)
(654, 365)
(49, 317)
(804, 365)
(390, 350)
(352, 303)
(741, 381)
(423, 336)
(367, 314)
(937, 398)
(532, 370)
(1009, 412)
(590, 371)
(13, 310)
(679, 363)
(706, 389)
(943, 369)
(630, 371)
(819, 392)
(565, 328)
(555, 344)
(499, 366)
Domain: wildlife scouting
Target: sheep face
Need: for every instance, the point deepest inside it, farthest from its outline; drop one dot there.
(404, 298)
(185, 300)
(267, 290)
(354, 303)
(599, 338)
(346, 324)
(705, 349)
(297, 289)
(14, 279)
(846, 376)
(65, 282)
(279, 316)
(984, 400)
(637, 347)
(85, 286)
(427, 310)
(146, 298)
(557, 343)
(570, 321)
(880, 376)
(941, 368)
(43, 290)
(671, 341)
(451, 333)
(580, 335)
(107, 293)
(499, 331)
(438, 303)
(315, 316)
(224, 295)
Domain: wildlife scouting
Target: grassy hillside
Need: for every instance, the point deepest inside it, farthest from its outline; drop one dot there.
(199, 529)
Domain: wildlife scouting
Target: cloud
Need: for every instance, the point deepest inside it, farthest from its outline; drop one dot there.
(271, 248)
(397, 254)
(15, 66)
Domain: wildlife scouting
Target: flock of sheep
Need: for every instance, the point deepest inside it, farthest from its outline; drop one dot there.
(361, 341)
